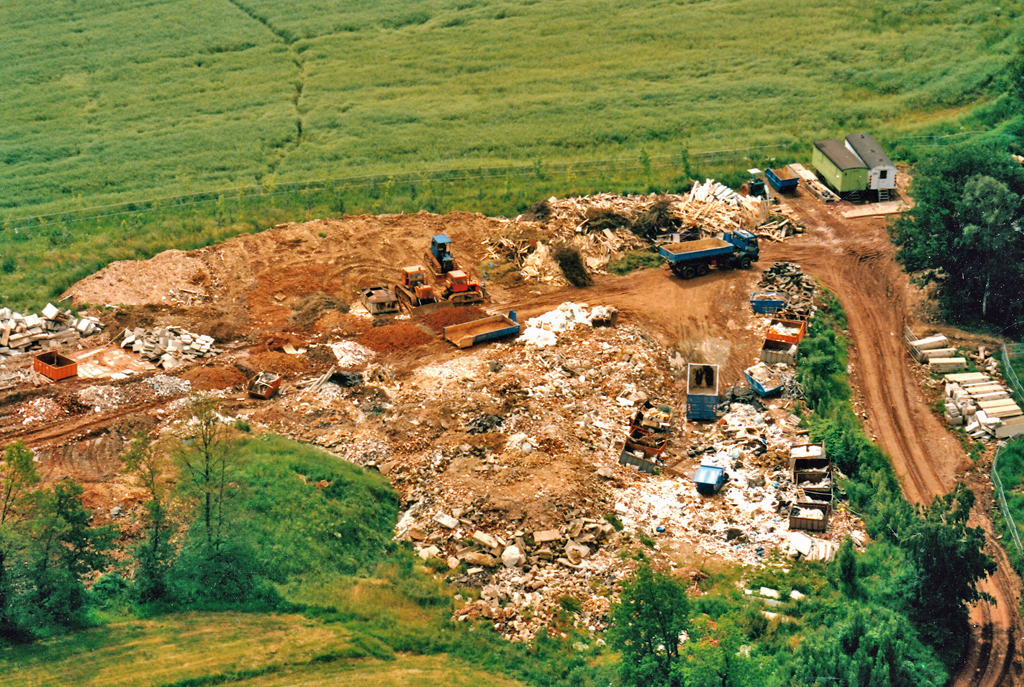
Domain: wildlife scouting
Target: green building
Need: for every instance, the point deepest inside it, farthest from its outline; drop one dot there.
(839, 166)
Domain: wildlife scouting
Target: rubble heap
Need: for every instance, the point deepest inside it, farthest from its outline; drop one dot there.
(603, 226)
(169, 346)
(788, 278)
(25, 333)
(505, 460)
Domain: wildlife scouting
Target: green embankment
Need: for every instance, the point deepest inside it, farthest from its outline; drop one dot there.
(357, 607)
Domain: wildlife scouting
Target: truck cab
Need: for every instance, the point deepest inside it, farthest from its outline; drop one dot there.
(745, 242)
(459, 282)
(415, 280)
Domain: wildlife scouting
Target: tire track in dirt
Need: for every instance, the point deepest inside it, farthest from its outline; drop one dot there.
(64, 430)
(856, 261)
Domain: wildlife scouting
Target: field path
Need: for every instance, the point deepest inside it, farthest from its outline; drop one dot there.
(856, 261)
(300, 83)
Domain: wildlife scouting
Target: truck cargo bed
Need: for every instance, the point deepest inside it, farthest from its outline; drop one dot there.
(493, 327)
(710, 246)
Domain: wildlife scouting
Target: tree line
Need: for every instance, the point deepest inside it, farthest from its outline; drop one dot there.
(48, 548)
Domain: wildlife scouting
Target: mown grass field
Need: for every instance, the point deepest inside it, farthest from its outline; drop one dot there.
(120, 99)
(234, 648)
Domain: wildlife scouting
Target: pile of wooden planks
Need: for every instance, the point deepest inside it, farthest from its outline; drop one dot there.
(814, 185)
(604, 226)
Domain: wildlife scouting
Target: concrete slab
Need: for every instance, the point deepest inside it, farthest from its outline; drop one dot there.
(105, 361)
(894, 207)
(966, 377)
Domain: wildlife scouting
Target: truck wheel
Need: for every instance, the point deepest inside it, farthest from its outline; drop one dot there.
(744, 263)
(688, 272)
(702, 270)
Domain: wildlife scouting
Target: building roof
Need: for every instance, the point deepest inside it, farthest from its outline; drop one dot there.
(868, 150)
(839, 154)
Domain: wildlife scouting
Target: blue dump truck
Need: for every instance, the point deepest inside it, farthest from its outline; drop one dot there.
(694, 258)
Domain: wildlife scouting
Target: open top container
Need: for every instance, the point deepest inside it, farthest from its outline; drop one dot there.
(53, 365)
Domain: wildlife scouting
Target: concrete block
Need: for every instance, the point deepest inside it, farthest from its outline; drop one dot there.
(446, 520)
(485, 540)
(941, 365)
(930, 342)
(545, 536)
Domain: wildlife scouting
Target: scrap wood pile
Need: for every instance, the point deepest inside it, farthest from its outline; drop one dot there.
(781, 225)
(604, 226)
(25, 333)
(800, 290)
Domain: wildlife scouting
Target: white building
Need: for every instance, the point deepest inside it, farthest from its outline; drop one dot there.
(881, 170)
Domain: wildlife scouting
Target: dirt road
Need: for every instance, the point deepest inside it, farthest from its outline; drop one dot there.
(855, 260)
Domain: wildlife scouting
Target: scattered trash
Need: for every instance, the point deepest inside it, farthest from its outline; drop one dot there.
(484, 423)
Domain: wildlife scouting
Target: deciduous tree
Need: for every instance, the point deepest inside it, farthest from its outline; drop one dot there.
(207, 465)
(18, 476)
(947, 561)
(155, 555)
(646, 627)
(964, 232)
(62, 549)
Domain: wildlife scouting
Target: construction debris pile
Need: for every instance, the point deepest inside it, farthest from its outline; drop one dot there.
(26, 333)
(752, 513)
(983, 406)
(800, 290)
(169, 346)
(542, 331)
(603, 226)
(505, 461)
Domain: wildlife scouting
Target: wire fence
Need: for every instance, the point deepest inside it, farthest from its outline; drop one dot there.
(1010, 374)
(939, 140)
(749, 154)
(1001, 497)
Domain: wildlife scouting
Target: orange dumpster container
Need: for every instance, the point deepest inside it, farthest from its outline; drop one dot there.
(53, 365)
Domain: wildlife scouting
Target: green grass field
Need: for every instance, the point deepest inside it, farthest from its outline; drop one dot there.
(121, 100)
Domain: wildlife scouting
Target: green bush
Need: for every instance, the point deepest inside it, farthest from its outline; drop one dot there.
(229, 575)
(571, 263)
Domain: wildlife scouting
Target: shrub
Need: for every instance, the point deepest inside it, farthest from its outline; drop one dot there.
(571, 263)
